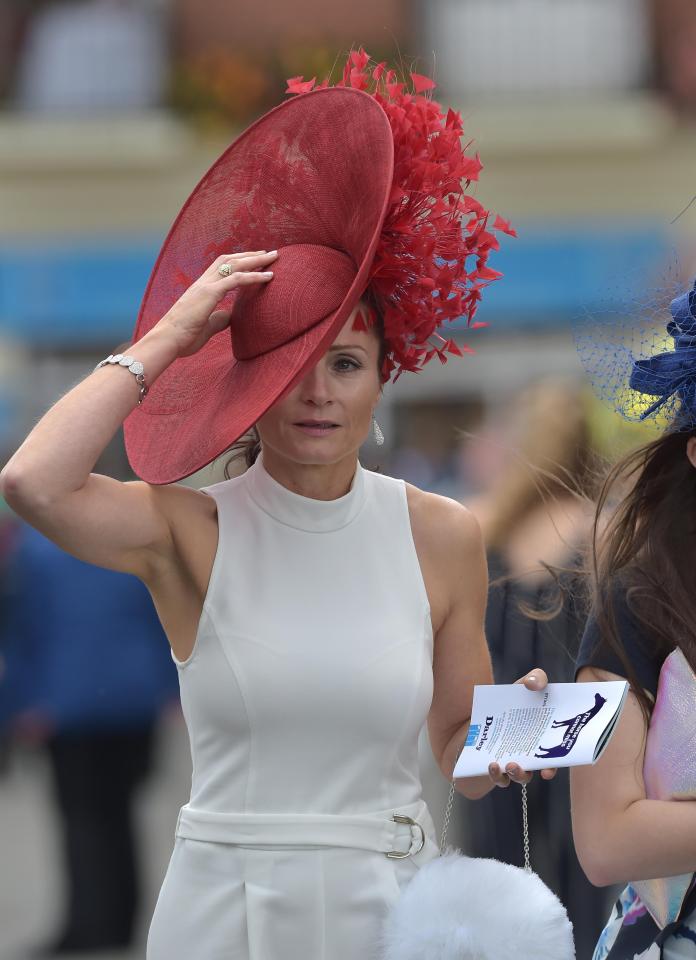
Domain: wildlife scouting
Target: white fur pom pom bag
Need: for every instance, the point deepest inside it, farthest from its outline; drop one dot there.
(467, 908)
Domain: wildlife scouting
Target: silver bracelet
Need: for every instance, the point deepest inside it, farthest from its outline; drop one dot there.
(135, 367)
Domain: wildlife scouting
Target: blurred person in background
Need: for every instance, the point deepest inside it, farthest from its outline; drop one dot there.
(86, 674)
(535, 513)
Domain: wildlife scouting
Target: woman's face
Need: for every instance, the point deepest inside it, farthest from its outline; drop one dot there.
(327, 414)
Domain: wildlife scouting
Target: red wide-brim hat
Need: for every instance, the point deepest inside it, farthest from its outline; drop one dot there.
(311, 178)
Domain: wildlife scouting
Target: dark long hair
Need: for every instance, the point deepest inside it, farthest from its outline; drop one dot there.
(648, 548)
(248, 447)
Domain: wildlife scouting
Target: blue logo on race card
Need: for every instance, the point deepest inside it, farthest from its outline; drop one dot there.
(472, 736)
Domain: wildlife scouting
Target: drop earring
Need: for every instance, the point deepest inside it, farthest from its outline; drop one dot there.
(379, 436)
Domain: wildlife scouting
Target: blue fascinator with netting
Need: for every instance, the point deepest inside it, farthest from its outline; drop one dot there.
(642, 362)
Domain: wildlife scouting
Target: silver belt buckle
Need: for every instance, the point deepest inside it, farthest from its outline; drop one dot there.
(402, 818)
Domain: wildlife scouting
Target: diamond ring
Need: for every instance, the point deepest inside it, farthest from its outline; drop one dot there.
(224, 269)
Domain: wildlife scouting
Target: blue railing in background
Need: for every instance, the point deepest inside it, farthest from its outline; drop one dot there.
(88, 290)
(552, 275)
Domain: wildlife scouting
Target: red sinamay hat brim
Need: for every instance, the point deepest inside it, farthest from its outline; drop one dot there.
(316, 170)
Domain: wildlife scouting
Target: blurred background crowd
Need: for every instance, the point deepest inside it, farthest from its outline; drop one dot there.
(584, 114)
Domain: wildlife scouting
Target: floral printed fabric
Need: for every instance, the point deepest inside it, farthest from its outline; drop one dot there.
(632, 934)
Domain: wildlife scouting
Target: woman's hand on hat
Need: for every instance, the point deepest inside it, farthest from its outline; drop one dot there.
(534, 680)
(193, 319)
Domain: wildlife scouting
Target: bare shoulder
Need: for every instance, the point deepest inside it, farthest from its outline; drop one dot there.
(449, 544)
(442, 525)
(178, 576)
(170, 495)
(190, 517)
(177, 502)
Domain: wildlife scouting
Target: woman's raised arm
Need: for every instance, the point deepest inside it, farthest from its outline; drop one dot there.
(48, 480)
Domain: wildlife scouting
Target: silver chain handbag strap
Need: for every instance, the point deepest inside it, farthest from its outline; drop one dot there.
(445, 822)
(525, 830)
(525, 825)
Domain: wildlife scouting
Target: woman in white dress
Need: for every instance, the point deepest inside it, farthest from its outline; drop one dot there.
(318, 613)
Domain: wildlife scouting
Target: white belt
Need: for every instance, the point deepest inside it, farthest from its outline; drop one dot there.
(407, 831)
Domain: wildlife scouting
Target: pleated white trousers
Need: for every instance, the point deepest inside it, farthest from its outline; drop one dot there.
(222, 901)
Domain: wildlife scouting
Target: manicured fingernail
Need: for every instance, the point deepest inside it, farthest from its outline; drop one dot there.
(267, 273)
(271, 252)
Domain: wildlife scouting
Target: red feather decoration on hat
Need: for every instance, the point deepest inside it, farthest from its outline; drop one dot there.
(431, 263)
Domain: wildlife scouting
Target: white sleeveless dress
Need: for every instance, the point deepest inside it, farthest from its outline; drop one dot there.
(304, 696)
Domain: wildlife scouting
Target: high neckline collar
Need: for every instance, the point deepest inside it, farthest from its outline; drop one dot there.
(304, 513)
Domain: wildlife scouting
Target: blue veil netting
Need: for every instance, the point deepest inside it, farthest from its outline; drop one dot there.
(640, 356)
